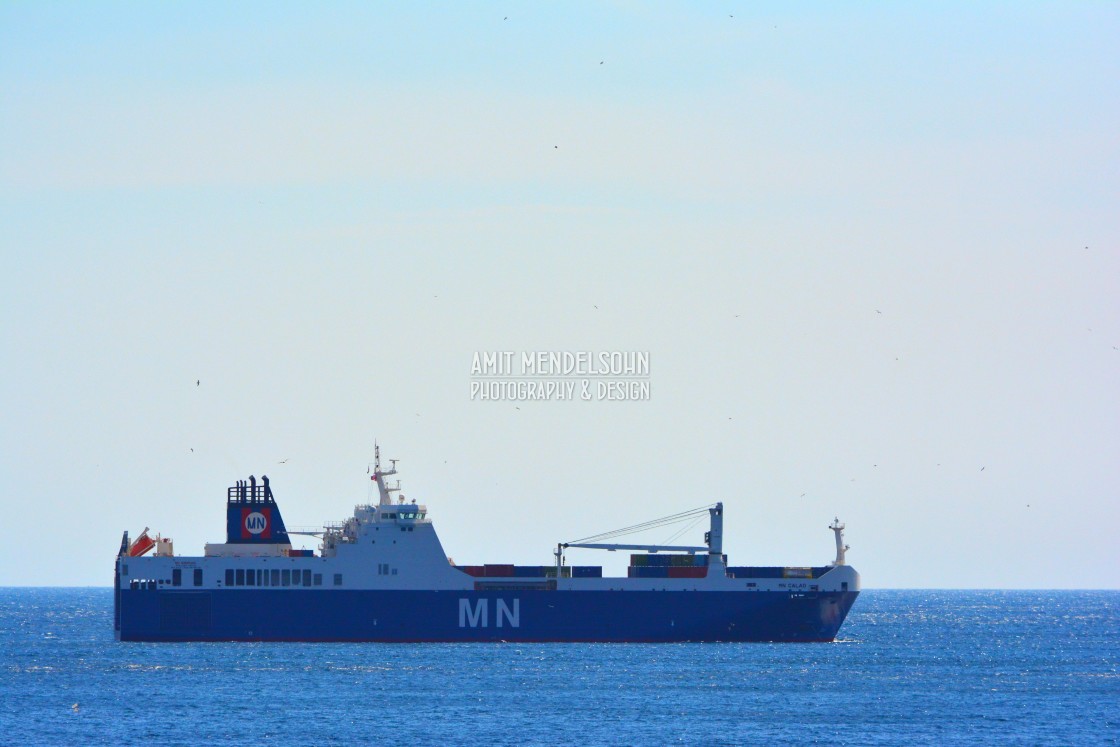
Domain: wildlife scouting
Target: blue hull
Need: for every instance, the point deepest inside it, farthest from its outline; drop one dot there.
(465, 616)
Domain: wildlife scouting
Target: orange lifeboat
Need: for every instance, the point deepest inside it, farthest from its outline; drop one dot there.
(141, 545)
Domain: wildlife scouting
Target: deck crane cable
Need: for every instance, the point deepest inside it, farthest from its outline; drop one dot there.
(646, 525)
(682, 531)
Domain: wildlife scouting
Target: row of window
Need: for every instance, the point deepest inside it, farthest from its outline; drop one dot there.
(248, 577)
(276, 577)
(406, 515)
(177, 576)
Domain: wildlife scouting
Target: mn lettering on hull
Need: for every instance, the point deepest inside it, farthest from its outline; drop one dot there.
(477, 615)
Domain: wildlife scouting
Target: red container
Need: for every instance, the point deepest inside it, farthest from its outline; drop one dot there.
(472, 570)
(498, 571)
(684, 571)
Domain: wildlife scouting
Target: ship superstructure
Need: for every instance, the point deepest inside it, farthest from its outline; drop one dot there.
(383, 575)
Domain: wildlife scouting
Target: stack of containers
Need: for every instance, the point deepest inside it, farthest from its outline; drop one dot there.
(531, 571)
(668, 566)
(550, 571)
(768, 571)
(498, 570)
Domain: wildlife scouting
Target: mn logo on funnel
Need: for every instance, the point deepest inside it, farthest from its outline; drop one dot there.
(256, 524)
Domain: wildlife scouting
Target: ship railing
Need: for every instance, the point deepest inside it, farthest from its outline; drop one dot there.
(336, 531)
(250, 493)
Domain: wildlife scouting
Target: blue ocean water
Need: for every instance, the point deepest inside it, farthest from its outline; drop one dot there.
(911, 667)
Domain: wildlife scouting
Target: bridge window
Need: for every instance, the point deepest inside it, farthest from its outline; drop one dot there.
(318, 579)
(250, 577)
(286, 577)
(198, 577)
(307, 577)
(240, 577)
(338, 579)
(229, 577)
(176, 577)
(275, 573)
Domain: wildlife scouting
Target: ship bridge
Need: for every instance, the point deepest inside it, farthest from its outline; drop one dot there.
(391, 511)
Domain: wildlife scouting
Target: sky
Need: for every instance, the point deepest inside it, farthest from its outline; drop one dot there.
(872, 252)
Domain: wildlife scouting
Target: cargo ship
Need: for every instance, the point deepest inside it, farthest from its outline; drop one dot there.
(383, 576)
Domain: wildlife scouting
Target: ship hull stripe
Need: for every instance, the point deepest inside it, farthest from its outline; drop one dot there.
(339, 615)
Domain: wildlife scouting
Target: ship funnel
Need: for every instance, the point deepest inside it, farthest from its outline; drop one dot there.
(252, 515)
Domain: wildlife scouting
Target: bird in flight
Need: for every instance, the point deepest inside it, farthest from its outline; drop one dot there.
(284, 461)
(197, 382)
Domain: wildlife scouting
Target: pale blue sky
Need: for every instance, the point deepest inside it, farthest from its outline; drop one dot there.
(871, 250)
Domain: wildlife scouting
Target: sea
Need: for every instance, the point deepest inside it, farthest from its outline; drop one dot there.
(909, 668)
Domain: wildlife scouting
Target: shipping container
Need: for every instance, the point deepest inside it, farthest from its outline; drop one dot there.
(764, 571)
(498, 570)
(685, 572)
(797, 573)
(550, 571)
(755, 571)
(587, 571)
(669, 560)
(649, 571)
